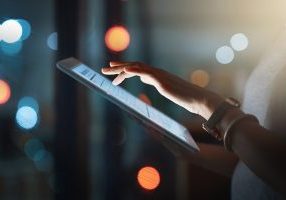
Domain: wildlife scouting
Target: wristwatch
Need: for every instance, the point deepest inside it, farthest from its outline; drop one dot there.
(215, 118)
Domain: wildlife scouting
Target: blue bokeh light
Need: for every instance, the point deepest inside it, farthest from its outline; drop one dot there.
(26, 27)
(52, 41)
(29, 101)
(43, 160)
(26, 117)
(11, 48)
(32, 146)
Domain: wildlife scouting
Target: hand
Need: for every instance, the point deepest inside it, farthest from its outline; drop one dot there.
(191, 97)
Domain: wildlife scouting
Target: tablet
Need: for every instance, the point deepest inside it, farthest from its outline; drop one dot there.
(164, 126)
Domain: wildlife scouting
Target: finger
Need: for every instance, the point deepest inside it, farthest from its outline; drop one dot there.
(146, 75)
(112, 70)
(117, 69)
(121, 77)
(143, 73)
(119, 63)
(136, 70)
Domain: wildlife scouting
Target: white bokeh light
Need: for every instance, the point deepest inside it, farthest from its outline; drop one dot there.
(26, 117)
(224, 55)
(11, 31)
(239, 42)
(1, 37)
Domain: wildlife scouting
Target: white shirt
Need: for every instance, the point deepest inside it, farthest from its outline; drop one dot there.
(265, 97)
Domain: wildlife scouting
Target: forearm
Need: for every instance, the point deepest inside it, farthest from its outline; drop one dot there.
(214, 158)
(263, 152)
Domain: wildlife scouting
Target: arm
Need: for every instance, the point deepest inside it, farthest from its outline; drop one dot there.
(214, 158)
(262, 151)
(211, 156)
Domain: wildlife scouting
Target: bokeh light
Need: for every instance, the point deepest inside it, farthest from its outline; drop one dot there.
(29, 101)
(239, 42)
(5, 92)
(32, 146)
(26, 117)
(11, 31)
(11, 48)
(143, 97)
(148, 178)
(224, 55)
(43, 160)
(200, 78)
(26, 28)
(117, 38)
(1, 34)
(52, 41)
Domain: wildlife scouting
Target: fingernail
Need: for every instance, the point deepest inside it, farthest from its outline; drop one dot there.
(114, 82)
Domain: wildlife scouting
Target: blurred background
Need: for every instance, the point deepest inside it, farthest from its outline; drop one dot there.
(59, 140)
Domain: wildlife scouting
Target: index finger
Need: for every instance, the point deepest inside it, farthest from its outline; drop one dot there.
(112, 70)
(119, 63)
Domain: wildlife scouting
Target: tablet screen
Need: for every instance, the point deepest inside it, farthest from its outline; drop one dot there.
(125, 100)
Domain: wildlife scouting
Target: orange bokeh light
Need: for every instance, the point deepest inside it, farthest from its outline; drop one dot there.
(5, 92)
(200, 78)
(148, 178)
(117, 38)
(143, 97)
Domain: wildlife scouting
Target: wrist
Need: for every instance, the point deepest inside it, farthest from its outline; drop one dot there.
(209, 104)
(224, 119)
(221, 112)
(227, 118)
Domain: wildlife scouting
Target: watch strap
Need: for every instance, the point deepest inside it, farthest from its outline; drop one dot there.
(215, 118)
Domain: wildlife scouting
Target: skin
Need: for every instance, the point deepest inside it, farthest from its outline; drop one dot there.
(262, 151)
